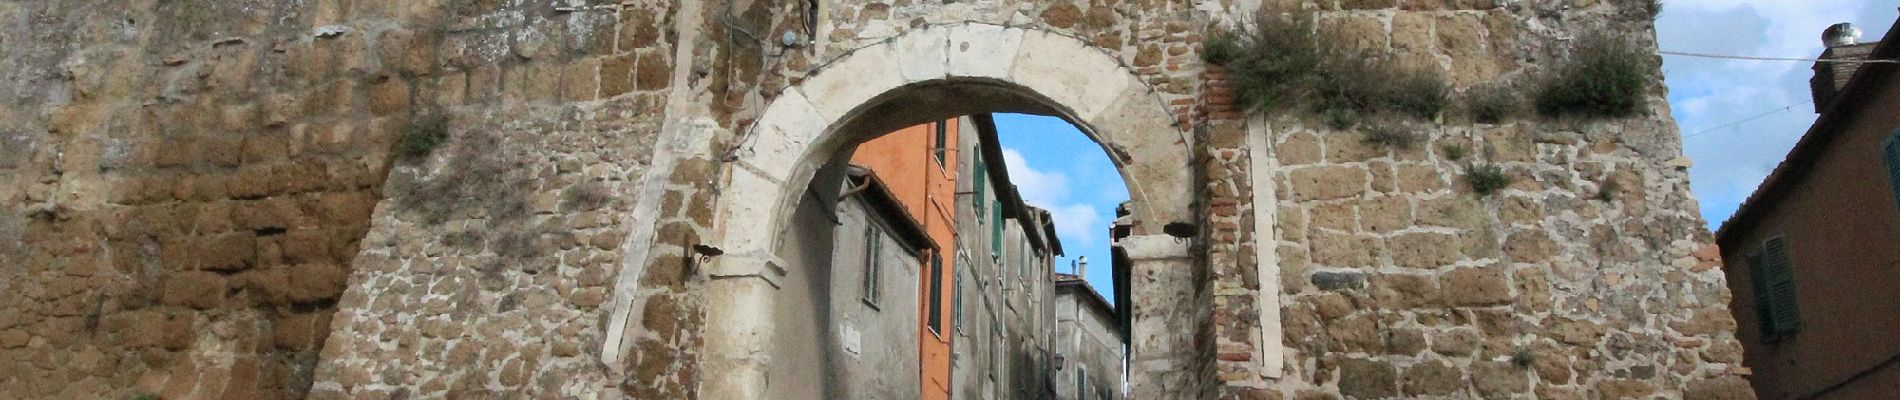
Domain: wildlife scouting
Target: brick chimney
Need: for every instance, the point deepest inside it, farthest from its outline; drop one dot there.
(1843, 43)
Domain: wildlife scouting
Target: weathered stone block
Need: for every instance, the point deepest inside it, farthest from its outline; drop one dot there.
(1328, 183)
(1432, 378)
(1298, 149)
(195, 289)
(1334, 281)
(1412, 31)
(1479, 286)
(1423, 249)
(1343, 250)
(1498, 379)
(1399, 292)
(1368, 379)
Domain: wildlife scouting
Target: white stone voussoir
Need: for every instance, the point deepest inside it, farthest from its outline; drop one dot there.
(843, 85)
(1069, 72)
(982, 50)
(922, 54)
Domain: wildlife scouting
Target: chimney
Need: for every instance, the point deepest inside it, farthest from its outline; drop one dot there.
(1081, 266)
(1843, 43)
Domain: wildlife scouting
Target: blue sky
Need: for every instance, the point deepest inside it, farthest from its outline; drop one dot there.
(1706, 95)
(1061, 170)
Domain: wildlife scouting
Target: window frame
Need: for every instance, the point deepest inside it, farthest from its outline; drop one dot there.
(1890, 156)
(873, 260)
(935, 304)
(941, 150)
(1777, 300)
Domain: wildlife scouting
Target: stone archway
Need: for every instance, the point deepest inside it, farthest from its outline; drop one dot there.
(857, 96)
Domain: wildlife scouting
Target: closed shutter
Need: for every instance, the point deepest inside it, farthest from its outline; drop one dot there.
(956, 301)
(996, 233)
(981, 180)
(1758, 277)
(1786, 316)
(936, 293)
(1891, 154)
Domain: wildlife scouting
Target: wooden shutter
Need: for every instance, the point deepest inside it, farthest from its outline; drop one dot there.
(1758, 277)
(996, 234)
(1785, 316)
(873, 247)
(1891, 154)
(981, 180)
(936, 293)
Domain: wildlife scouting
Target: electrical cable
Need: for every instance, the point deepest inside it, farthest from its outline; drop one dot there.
(1746, 120)
(1753, 58)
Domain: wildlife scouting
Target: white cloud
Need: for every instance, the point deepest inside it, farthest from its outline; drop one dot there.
(1706, 94)
(1049, 190)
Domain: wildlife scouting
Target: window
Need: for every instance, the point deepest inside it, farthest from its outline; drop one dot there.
(996, 232)
(1773, 274)
(981, 181)
(936, 293)
(1027, 255)
(1891, 154)
(943, 138)
(996, 364)
(1081, 383)
(873, 245)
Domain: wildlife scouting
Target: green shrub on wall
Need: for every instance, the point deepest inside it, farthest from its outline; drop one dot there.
(423, 136)
(1393, 137)
(1278, 62)
(1604, 77)
(1492, 104)
(1486, 179)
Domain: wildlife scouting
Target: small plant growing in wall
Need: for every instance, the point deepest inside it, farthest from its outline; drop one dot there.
(1607, 190)
(1492, 104)
(1278, 61)
(1453, 152)
(422, 136)
(1523, 357)
(1604, 77)
(1268, 62)
(1393, 137)
(1486, 178)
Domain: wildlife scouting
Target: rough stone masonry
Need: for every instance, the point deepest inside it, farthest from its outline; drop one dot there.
(202, 199)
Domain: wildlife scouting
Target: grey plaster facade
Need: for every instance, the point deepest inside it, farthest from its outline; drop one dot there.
(1003, 290)
(1090, 342)
(841, 337)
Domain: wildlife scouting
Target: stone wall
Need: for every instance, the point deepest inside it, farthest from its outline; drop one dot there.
(1397, 280)
(185, 185)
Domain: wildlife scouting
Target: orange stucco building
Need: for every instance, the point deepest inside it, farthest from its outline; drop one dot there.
(918, 165)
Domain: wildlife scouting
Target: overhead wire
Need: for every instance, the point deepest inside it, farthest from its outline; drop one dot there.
(1756, 58)
(1747, 120)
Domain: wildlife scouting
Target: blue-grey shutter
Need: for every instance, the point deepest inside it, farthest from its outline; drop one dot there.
(1786, 316)
(1758, 278)
(1891, 154)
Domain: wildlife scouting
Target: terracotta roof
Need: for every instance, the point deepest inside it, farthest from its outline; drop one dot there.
(1817, 138)
(886, 206)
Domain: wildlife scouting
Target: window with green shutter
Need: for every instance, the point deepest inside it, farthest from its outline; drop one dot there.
(996, 231)
(1772, 271)
(981, 180)
(1891, 154)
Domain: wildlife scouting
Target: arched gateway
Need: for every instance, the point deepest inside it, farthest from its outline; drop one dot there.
(930, 74)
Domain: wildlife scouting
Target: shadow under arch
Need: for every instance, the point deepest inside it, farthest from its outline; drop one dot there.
(942, 72)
